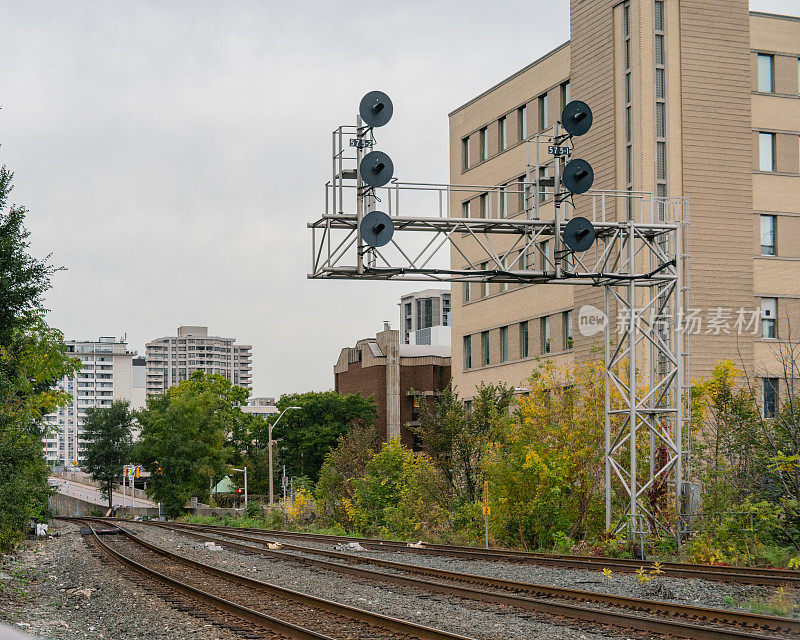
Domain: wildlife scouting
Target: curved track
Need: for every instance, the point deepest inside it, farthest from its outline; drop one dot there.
(677, 616)
(738, 575)
(285, 612)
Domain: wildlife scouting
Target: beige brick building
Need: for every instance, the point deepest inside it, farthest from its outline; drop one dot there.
(696, 98)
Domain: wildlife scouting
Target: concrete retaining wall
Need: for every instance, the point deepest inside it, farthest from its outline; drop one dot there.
(62, 505)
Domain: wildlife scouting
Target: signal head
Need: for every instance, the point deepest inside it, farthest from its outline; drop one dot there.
(376, 229)
(578, 176)
(376, 109)
(579, 234)
(576, 118)
(376, 168)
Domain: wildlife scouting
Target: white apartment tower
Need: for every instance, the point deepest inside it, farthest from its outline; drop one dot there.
(106, 374)
(173, 359)
(425, 317)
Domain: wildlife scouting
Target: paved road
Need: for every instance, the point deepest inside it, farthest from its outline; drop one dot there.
(92, 494)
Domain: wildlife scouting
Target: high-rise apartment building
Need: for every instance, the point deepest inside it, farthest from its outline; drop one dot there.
(106, 374)
(425, 317)
(172, 359)
(696, 99)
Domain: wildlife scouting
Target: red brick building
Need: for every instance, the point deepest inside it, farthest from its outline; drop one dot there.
(399, 376)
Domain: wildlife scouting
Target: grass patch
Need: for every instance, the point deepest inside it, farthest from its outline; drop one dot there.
(780, 602)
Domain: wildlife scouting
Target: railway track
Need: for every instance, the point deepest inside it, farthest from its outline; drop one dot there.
(681, 620)
(285, 613)
(738, 575)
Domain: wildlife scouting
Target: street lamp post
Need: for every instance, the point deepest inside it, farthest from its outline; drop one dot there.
(271, 494)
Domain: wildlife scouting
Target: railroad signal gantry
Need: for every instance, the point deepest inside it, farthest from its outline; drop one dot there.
(633, 247)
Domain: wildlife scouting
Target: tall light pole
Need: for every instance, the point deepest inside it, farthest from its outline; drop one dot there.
(271, 494)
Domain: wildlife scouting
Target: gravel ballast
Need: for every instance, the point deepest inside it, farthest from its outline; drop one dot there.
(466, 617)
(58, 590)
(689, 591)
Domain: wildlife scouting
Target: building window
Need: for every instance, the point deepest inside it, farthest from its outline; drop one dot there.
(522, 122)
(661, 120)
(766, 151)
(769, 317)
(416, 407)
(766, 75)
(768, 235)
(427, 309)
(466, 292)
(484, 284)
(504, 344)
(523, 339)
(567, 319)
(543, 112)
(465, 152)
(484, 205)
(545, 246)
(504, 267)
(502, 133)
(627, 75)
(545, 334)
(770, 397)
(484, 143)
(565, 94)
(661, 160)
(659, 49)
(522, 193)
(465, 209)
(484, 348)
(503, 202)
(468, 352)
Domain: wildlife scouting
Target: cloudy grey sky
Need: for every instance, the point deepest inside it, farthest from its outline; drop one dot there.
(171, 153)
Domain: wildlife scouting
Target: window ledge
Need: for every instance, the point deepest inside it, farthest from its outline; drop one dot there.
(775, 94)
(792, 174)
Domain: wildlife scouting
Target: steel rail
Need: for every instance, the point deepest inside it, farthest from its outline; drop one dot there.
(705, 614)
(368, 617)
(736, 574)
(245, 613)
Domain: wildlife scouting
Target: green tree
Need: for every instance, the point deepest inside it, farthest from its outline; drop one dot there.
(545, 467)
(399, 494)
(32, 361)
(184, 433)
(343, 465)
(107, 434)
(456, 439)
(308, 434)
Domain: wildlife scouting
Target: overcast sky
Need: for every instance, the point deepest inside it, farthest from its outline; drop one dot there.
(171, 153)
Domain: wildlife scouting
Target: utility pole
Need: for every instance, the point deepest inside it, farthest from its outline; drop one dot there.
(271, 491)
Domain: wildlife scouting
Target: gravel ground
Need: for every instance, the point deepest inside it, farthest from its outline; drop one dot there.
(465, 617)
(57, 590)
(704, 593)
